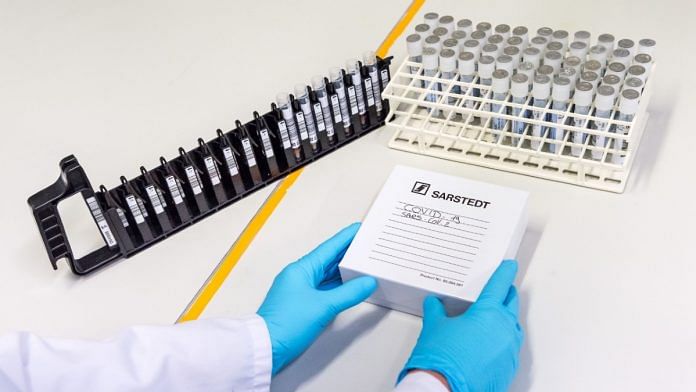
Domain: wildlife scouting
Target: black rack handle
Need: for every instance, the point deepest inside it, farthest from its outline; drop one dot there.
(44, 206)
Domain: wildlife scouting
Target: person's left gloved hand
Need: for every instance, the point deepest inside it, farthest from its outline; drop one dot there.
(307, 295)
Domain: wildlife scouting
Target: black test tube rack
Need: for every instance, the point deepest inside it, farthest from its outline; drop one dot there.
(181, 191)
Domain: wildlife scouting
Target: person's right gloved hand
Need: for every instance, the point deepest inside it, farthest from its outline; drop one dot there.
(478, 350)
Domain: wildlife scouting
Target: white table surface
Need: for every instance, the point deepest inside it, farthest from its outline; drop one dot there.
(606, 280)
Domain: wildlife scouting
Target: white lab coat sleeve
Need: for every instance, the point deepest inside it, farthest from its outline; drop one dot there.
(202, 355)
(420, 382)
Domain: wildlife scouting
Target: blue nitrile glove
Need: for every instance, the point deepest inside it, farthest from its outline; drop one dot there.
(478, 350)
(307, 295)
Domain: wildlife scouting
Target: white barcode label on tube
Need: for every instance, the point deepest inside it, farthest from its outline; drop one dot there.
(212, 170)
(266, 140)
(370, 94)
(231, 162)
(375, 89)
(135, 209)
(193, 180)
(174, 190)
(248, 152)
(154, 199)
(335, 105)
(385, 77)
(101, 221)
(161, 197)
(320, 117)
(142, 207)
(284, 134)
(301, 125)
(122, 216)
(353, 100)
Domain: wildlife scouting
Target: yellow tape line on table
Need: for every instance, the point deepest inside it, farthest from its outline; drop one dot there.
(217, 278)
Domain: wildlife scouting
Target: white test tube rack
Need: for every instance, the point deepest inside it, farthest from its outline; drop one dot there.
(465, 135)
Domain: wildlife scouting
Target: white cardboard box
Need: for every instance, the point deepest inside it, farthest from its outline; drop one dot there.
(431, 233)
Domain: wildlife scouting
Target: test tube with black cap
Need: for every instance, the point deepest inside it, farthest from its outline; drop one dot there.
(353, 71)
(352, 96)
(250, 164)
(371, 85)
(318, 119)
(335, 110)
(320, 91)
(338, 84)
(231, 156)
(301, 121)
(266, 139)
(302, 97)
(289, 121)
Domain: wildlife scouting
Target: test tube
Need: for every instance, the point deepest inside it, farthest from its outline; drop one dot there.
(441, 32)
(628, 106)
(473, 46)
(500, 87)
(523, 33)
(467, 73)
(532, 55)
(430, 64)
(541, 91)
(320, 90)
(578, 49)
(617, 69)
(554, 46)
(606, 40)
(432, 41)
(622, 56)
(647, 46)
(645, 60)
(574, 63)
(479, 36)
(545, 32)
(370, 62)
(489, 50)
(582, 36)
(459, 35)
(600, 54)
(613, 81)
(353, 70)
(466, 25)
(422, 29)
(448, 69)
(560, 95)
(497, 40)
(514, 53)
(514, 41)
(553, 59)
(604, 102)
(590, 77)
(545, 69)
(431, 19)
(414, 47)
(637, 71)
(627, 44)
(519, 90)
(452, 44)
(583, 103)
(503, 30)
(504, 62)
(289, 118)
(593, 66)
(486, 66)
(485, 27)
(339, 86)
(539, 42)
(571, 75)
(302, 96)
(562, 37)
(633, 84)
(446, 21)
(527, 69)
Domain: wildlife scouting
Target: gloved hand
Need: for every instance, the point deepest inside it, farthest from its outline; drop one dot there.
(307, 295)
(478, 350)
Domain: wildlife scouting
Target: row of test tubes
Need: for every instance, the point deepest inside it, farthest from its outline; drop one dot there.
(546, 71)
